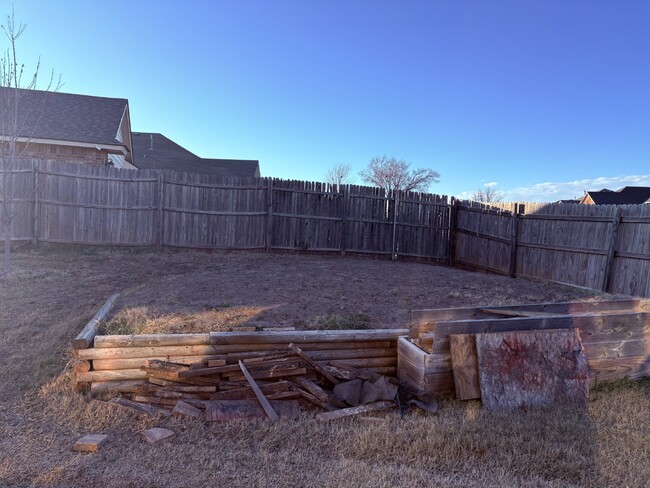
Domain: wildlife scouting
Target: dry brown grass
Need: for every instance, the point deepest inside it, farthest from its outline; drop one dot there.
(54, 292)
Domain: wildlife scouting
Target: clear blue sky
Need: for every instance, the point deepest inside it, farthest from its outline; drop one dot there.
(522, 93)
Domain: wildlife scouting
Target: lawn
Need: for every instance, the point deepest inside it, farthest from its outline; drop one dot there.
(53, 292)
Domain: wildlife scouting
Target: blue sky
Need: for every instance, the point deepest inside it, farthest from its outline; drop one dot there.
(547, 99)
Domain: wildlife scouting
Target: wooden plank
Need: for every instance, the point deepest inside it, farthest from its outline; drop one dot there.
(305, 357)
(593, 327)
(347, 412)
(270, 373)
(315, 343)
(90, 443)
(140, 407)
(311, 387)
(122, 374)
(410, 364)
(282, 337)
(157, 435)
(184, 409)
(115, 387)
(87, 334)
(464, 362)
(258, 393)
(151, 340)
(611, 249)
(532, 369)
(425, 320)
(223, 410)
(247, 392)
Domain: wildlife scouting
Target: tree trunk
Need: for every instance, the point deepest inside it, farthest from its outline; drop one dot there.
(7, 253)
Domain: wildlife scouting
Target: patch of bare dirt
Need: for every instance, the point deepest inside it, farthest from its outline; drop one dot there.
(53, 292)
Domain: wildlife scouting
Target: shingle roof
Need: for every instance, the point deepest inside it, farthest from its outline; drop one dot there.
(155, 151)
(64, 116)
(629, 195)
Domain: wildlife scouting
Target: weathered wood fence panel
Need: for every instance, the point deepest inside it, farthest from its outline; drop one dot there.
(604, 247)
(81, 204)
(20, 191)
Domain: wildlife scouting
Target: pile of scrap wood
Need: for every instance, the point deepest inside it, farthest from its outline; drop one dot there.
(260, 384)
(524, 355)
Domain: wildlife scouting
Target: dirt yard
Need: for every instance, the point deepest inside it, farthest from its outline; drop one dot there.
(53, 292)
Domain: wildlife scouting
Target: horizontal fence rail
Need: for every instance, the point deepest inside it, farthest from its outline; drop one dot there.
(94, 205)
(602, 247)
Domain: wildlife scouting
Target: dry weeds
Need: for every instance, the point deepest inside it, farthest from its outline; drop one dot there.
(54, 292)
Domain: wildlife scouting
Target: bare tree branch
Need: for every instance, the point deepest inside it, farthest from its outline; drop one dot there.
(14, 136)
(339, 174)
(395, 174)
(488, 194)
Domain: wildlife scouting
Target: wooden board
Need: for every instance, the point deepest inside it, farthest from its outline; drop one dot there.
(464, 363)
(90, 443)
(532, 369)
(220, 410)
(422, 321)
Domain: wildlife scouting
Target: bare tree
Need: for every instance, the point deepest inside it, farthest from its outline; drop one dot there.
(395, 174)
(488, 194)
(14, 134)
(339, 174)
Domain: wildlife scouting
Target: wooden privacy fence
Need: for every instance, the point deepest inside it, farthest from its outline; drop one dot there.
(603, 247)
(81, 204)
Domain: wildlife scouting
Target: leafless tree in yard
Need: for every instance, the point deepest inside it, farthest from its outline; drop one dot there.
(395, 174)
(339, 174)
(488, 194)
(14, 134)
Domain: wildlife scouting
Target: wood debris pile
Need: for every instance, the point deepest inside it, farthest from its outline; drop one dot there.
(274, 384)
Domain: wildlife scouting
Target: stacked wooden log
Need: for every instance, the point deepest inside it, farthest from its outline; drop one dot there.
(114, 363)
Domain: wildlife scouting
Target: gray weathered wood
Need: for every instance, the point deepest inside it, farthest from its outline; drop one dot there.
(532, 369)
(258, 393)
(611, 249)
(85, 338)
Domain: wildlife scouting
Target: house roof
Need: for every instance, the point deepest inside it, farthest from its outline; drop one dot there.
(63, 116)
(155, 151)
(629, 195)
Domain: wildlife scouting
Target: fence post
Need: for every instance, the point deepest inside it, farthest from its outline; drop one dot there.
(512, 269)
(161, 216)
(36, 205)
(453, 225)
(344, 217)
(269, 214)
(393, 254)
(611, 249)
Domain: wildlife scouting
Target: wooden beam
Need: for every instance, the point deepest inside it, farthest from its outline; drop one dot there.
(464, 363)
(85, 338)
(347, 412)
(258, 393)
(305, 357)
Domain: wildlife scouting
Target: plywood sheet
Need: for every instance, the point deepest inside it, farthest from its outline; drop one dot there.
(532, 368)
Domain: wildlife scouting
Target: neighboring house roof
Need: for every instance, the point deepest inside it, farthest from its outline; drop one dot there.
(629, 195)
(570, 200)
(155, 151)
(64, 116)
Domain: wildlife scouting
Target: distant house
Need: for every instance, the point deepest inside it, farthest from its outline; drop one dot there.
(68, 127)
(155, 151)
(629, 195)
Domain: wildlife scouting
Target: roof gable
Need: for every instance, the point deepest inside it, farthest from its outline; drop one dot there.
(64, 116)
(629, 195)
